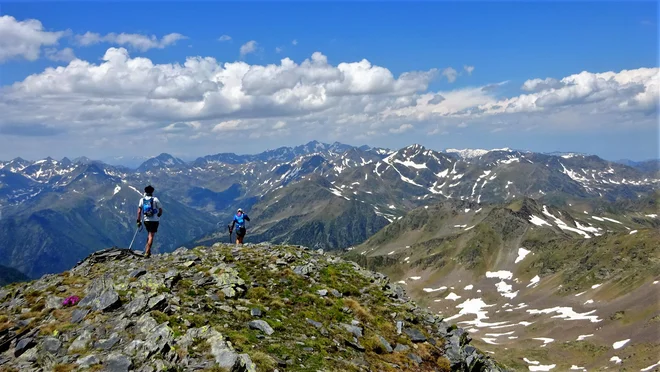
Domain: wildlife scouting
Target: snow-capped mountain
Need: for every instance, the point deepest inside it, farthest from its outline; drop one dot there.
(161, 161)
(299, 194)
(473, 153)
(281, 154)
(415, 172)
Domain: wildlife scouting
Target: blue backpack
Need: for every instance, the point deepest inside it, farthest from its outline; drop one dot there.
(240, 221)
(148, 207)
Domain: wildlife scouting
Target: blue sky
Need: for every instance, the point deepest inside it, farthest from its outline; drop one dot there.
(509, 42)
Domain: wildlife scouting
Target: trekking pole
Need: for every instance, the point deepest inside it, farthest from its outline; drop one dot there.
(134, 235)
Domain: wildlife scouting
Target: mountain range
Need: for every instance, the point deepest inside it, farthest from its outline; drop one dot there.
(331, 196)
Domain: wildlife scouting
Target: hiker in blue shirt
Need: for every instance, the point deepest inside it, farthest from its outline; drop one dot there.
(239, 222)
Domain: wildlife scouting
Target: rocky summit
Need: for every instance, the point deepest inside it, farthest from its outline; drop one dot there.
(225, 308)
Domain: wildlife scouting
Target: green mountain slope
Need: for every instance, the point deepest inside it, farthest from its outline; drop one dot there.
(528, 278)
(252, 308)
(308, 213)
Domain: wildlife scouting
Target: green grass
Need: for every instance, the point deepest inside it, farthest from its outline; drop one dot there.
(480, 250)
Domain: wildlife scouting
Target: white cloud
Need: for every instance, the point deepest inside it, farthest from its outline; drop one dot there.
(537, 85)
(278, 50)
(89, 38)
(294, 42)
(228, 126)
(203, 99)
(436, 99)
(468, 69)
(602, 92)
(182, 127)
(450, 74)
(64, 55)
(136, 41)
(224, 38)
(249, 47)
(401, 129)
(24, 39)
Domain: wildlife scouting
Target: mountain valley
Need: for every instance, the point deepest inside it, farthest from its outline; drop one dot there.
(543, 288)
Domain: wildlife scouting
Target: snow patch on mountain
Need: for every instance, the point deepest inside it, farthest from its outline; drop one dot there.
(562, 225)
(651, 367)
(567, 313)
(612, 220)
(430, 290)
(534, 281)
(538, 221)
(619, 344)
(509, 160)
(442, 174)
(411, 164)
(502, 274)
(473, 153)
(452, 296)
(522, 253)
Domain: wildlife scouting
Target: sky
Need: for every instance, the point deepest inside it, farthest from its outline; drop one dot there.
(104, 79)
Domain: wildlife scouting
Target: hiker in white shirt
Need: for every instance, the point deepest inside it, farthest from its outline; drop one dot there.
(149, 210)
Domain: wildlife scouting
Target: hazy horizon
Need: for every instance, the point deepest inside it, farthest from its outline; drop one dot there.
(189, 158)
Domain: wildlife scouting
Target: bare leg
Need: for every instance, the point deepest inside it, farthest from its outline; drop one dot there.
(150, 241)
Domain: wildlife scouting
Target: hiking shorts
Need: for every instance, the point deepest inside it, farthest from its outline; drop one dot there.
(240, 231)
(151, 226)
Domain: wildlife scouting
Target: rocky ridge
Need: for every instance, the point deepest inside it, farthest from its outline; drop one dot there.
(251, 308)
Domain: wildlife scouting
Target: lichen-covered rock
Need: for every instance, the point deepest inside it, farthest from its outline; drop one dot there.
(386, 345)
(81, 342)
(262, 326)
(88, 361)
(137, 306)
(51, 345)
(415, 334)
(117, 363)
(229, 281)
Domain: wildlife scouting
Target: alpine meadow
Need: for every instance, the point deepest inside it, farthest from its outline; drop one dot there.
(329, 186)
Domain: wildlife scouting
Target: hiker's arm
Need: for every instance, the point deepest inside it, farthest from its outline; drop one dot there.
(232, 224)
(247, 218)
(139, 214)
(160, 212)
